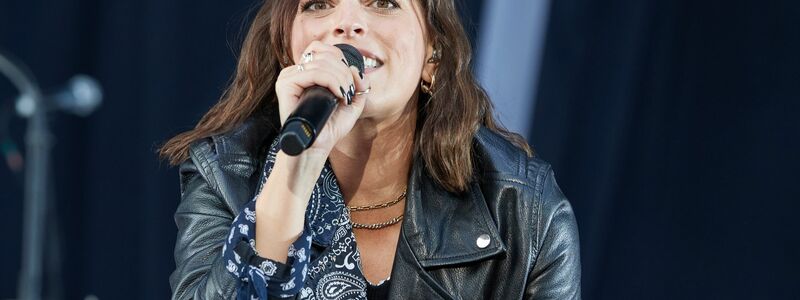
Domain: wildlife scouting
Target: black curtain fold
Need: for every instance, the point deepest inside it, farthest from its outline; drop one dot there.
(162, 64)
(672, 127)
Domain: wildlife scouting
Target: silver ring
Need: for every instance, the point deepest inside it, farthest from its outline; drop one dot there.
(307, 57)
(300, 67)
(364, 92)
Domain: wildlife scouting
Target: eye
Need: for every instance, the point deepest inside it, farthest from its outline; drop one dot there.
(385, 4)
(315, 5)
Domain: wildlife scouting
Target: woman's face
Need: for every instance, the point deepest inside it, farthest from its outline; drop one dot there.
(391, 32)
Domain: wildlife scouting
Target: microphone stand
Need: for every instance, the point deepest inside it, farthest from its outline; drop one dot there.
(38, 144)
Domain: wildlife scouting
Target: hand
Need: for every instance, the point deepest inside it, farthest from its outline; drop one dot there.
(328, 69)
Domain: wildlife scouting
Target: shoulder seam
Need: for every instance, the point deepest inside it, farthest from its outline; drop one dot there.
(200, 157)
(539, 180)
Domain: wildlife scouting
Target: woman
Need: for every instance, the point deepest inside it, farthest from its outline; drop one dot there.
(431, 198)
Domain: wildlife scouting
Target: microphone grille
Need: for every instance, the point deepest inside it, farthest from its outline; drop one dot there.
(352, 55)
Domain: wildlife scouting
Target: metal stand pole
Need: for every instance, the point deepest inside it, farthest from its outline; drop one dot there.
(38, 143)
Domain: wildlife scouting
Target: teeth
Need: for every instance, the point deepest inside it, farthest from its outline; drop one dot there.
(370, 63)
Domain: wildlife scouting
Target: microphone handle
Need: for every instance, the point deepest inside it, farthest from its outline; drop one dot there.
(302, 126)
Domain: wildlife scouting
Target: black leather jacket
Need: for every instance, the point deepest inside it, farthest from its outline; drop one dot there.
(532, 250)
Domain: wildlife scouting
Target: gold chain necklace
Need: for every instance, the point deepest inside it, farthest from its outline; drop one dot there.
(376, 225)
(376, 206)
(380, 225)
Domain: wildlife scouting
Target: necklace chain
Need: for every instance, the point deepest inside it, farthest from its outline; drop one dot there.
(393, 221)
(376, 206)
(380, 225)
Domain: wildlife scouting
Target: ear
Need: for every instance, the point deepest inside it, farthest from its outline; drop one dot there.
(432, 55)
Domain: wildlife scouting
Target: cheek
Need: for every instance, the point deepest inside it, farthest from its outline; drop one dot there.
(302, 35)
(403, 80)
(298, 39)
(411, 53)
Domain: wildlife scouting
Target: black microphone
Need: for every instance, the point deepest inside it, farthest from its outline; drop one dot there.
(316, 105)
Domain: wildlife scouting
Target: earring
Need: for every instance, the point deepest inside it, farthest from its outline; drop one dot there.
(285, 60)
(429, 88)
(435, 56)
(434, 59)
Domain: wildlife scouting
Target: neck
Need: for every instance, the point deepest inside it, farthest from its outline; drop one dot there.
(372, 162)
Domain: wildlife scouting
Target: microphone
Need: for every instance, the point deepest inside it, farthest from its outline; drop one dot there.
(80, 96)
(316, 105)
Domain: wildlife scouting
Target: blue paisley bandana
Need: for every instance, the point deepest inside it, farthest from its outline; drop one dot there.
(323, 263)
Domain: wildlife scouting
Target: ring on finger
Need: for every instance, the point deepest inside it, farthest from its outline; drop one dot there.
(364, 92)
(308, 57)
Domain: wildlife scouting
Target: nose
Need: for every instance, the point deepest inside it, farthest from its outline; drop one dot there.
(350, 23)
(349, 30)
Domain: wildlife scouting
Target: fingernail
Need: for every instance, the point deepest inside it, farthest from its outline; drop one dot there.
(360, 74)
(352, 92)
(345, 62)
(344, 95)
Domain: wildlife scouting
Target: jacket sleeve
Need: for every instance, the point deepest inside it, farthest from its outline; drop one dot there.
(203, 222)
(556, 274)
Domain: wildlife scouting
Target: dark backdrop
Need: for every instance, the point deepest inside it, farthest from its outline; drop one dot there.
(671, 126)
(161, 63)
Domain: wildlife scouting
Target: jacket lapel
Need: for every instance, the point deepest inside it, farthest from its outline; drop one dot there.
(441, 229)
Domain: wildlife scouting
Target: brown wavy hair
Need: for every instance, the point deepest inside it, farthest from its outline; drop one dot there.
(448, 119)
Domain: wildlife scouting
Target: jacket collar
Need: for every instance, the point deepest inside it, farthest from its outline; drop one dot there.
(443, 228)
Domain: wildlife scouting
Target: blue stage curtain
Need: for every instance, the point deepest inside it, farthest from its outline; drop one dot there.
(672, 126)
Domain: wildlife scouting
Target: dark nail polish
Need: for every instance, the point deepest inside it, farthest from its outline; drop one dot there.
(344, 95)
(361, 74)
(345, 62)
(352, 92)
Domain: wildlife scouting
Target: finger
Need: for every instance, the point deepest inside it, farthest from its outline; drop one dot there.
(339, 66)
(293, 82)
(344, 75)
(330, 56)
(325, 51)
(362, 85)
(319, 73)
(329, 59)
(317, 47)
(290, 71)
(353, 111)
